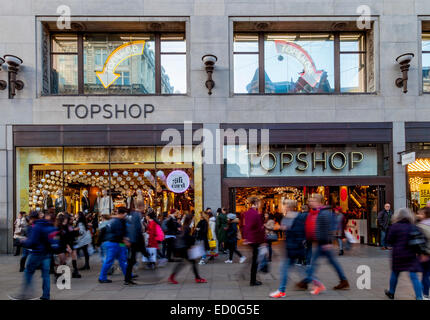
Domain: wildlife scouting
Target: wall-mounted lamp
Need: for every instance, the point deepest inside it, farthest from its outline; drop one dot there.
(404, 61)
(209, 61)
(13, 63)
(3, 84)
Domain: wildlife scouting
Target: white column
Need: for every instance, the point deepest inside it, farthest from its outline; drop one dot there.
(399, 172)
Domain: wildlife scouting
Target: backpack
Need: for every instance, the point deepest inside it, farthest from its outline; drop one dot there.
(159, 234)
(53, 242)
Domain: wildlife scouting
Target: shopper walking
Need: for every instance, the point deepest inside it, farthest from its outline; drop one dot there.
(114, 235)
(32, 217)
(221, 224)
(341, 222)
(201, 234)
(271, 235)
(384, 222)
(43, 242)
(18, 233)
(424, 226)
(84, 239)
(320, 226)
(152, 232)
(404, 257)
(231, 242)
(212, 228)
(183, 244)
(171, 231)
(293, 224)
(253, 235)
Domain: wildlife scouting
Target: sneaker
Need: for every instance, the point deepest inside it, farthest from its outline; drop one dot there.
(318, 289)
(76, 275)
(426, 297)
(277, 294)
(389, 294)
(105, 281)
(201, 280)
(129, 283)
(341, 252)
(202, 261)
(242, 259)
(228, 261)
(343, 285)
(256, 283)
(172, 280)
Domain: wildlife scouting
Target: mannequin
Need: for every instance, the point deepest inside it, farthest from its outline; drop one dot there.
(130, 200)
(47, 200)
(60, 202)
(106, 203)
(96, 207)
(85, 202)
(140, 199)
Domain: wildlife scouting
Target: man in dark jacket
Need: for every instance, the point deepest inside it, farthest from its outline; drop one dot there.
(135, 241)
(170, 232)
(384, 221)
(114, 236)
(320, 227)
(41, 242)
(253, 235)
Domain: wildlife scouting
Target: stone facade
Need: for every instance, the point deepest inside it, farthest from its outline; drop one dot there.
(397, 28)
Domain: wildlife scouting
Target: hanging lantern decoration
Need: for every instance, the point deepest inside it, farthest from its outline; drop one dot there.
(128, 178)
(96, 173)
(115, 174)
(125, 173)
(119, 179)
(72, 173)
(43, 180)
(136, 174)
(57, 172)
(52, 173)
(46, 175)
(88, 173)
(40, 186)
(106, 173)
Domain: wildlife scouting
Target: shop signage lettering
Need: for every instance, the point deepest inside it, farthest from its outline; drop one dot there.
(178, 181)
(108, 111)
(337, 160)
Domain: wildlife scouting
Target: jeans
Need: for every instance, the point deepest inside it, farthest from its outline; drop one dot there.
(131, 259)
(34, 262)
(232, 248)
(308, 253)
(286, 264)
(254, 264)
(425, 282)
(329, 255)
(415, 282)
(269, 247)
(170, 247)
(383, 236)
(347, 244)
(113, 252)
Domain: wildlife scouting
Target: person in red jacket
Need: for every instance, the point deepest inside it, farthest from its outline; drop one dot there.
(152, 238)
(253, 235)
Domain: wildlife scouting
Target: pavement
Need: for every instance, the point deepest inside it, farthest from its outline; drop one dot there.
(225, 281)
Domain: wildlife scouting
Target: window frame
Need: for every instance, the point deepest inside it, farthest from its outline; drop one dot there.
(336, 55)
(423, 52)
(80, 66)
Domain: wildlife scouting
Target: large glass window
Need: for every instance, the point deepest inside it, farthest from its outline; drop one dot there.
(118, 63)
(299, 63)
(60, 178)
(426, 61)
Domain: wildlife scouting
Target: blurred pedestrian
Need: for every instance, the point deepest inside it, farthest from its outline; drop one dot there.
(184, 243)
(221, 224)
(84, 239)
(270, 230)
(293, 224)
(254, 235)
(404, 257)
(201, 235)
(320, 227)
(424, 226)
(342, 222)
(231, 242)
(172, 231)
(32, 217)
(18, 233)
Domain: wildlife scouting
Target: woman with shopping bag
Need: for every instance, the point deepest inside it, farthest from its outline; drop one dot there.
(186, 249)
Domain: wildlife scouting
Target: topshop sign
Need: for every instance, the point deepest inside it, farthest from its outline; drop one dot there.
(108, 111)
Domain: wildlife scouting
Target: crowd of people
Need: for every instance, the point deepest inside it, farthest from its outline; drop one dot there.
(46, 240)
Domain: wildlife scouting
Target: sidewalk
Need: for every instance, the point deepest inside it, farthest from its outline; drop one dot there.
(225, 281)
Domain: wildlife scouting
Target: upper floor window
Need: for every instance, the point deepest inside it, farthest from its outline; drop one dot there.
(118, 63)
(426, 61)
(300, 62)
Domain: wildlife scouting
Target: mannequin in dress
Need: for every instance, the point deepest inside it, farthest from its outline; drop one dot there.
(140, 199)
(60, 202)
(47, 200)
(96, 207)
(106, 203)
(130, 201)
(85, 202)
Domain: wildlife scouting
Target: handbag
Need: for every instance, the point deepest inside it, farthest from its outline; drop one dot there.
(212, 244)
(272, 237)
(196, 251)
(417, 241)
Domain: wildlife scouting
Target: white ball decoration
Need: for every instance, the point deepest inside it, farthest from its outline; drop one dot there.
(43, 180)
(115, 174)
(46, 186)
(35, 197)
(40, 186)
(96, 173)
(81, 173)
(52, 173)
(136, 174)
(65, 172)
(147, 174)
(125, 173)
(57, 172)
(128, 179)
(88, 173)
(40, 198)
(122, 183)
(106, 173)
(132, 182)
(37, 191)
(160, 174)
(139, 178)
(72, 173)
(34, 201)
(46, 175)
(119, 179)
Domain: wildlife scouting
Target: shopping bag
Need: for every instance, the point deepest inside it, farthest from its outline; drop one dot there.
(195, 252)
(349, 237)
(212, 244)
(152, 255)
(263, 259)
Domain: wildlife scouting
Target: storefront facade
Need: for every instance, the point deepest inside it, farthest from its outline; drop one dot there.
(100, 91)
